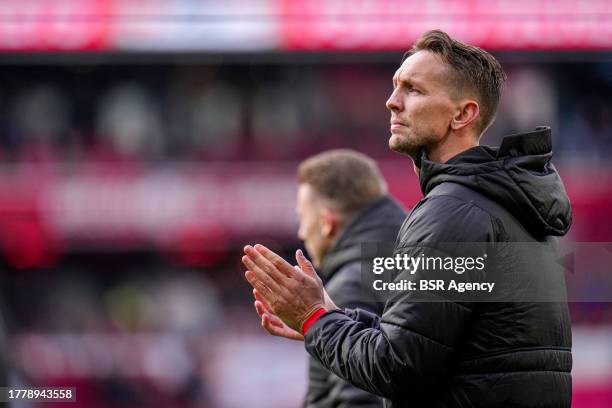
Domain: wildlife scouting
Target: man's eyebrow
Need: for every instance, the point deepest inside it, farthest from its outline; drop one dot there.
(409, 81)
(401, 81)
(397, 80)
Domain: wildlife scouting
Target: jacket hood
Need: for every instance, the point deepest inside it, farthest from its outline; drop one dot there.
(378, 222)
(518, 175)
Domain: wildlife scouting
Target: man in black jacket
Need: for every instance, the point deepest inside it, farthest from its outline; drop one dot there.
(341, 205)
(449, 352)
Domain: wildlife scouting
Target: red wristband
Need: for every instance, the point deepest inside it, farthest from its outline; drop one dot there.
(312, 319)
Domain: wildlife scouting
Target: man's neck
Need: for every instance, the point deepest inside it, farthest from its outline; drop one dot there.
(451, 146)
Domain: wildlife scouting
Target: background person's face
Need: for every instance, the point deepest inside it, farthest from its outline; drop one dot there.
(420, 104)
(311, 224)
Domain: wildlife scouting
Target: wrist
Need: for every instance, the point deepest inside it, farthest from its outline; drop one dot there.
(312, 319)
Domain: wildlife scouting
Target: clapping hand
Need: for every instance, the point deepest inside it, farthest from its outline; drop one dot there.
(286, 296)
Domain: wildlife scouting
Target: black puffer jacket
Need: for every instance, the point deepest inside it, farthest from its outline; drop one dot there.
(341, 273)
(452, 354)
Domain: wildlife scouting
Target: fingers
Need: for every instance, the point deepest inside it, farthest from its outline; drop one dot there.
(267, 325)
(305, 264)
(281, 290)
(262, 268)
(265, 273)
(263, 311)
(256, 258)
(261, 300)
(268, 276)
(271, 324)
(263, 283)
(257, 296)
(267, 316)
(259, 308)
(276, 328)
(260, 252)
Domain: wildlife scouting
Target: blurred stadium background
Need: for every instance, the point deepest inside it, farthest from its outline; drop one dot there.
(142, 143)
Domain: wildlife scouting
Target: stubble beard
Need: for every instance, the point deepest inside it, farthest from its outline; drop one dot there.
(404, 144)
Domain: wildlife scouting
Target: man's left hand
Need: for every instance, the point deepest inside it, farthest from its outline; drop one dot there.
(271, 323)
(293, 294)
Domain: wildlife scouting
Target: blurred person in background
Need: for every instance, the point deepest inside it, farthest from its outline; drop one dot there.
(342, 203)
(447, 353)
(128, 120)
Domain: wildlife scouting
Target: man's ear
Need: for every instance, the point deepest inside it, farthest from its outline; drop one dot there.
(468, 112)
(329, 222)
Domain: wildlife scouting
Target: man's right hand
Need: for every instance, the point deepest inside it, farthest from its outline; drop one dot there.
(271, 323)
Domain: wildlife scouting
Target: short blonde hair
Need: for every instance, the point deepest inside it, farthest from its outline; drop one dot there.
(473, 68)
(351, 180)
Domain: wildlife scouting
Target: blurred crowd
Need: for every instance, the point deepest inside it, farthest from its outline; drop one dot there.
(68, 113)
(137, 328)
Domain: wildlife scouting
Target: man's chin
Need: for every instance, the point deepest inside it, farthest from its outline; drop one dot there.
(399, 144)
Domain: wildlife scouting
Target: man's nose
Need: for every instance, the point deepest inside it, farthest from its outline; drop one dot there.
(394, 102)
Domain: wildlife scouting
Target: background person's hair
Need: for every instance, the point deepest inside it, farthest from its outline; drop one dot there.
(475, 70)
(350, 180)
